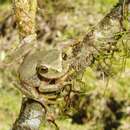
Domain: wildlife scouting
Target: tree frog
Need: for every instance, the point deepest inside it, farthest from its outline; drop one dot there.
(39, 73)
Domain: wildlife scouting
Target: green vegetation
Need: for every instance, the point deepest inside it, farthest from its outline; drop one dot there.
(75, 18)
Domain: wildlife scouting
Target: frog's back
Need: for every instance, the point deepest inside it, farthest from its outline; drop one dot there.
(28, 68)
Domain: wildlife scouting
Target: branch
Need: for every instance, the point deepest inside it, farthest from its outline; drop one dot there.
(30, 117)
(25, 13)
(98, 41)
(32, 112)
(103, 37)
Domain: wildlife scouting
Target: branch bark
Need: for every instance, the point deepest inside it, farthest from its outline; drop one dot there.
(32, 113)
(102, 39)
(25, 13)
(30, 117)
(95, 43)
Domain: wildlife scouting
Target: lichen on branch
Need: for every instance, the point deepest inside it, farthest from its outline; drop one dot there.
(25, 11)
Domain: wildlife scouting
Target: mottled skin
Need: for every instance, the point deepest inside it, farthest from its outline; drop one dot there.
(38, 72)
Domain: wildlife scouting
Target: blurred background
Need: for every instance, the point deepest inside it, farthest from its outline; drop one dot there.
(105, 104)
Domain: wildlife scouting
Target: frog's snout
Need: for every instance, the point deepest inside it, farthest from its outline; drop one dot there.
(48, 81)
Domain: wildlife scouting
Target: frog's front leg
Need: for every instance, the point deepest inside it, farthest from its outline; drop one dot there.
(33, 93)
(46, 88)
(29, 87)
(49, 92)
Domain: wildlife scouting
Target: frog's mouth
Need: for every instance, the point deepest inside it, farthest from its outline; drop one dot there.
(50, 76)
(52, 86)
(48, 81)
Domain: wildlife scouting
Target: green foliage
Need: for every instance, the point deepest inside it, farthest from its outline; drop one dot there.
(4, 1)
(77, 17)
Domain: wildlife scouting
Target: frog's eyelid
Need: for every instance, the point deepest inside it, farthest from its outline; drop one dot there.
(59, 69)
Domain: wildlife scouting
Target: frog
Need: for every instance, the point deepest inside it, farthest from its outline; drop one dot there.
(40, 73)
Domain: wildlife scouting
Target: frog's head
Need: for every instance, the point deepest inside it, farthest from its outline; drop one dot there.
(52, 65)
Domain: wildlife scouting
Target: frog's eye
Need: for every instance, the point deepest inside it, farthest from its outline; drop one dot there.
(43, 69)
(64, 56)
